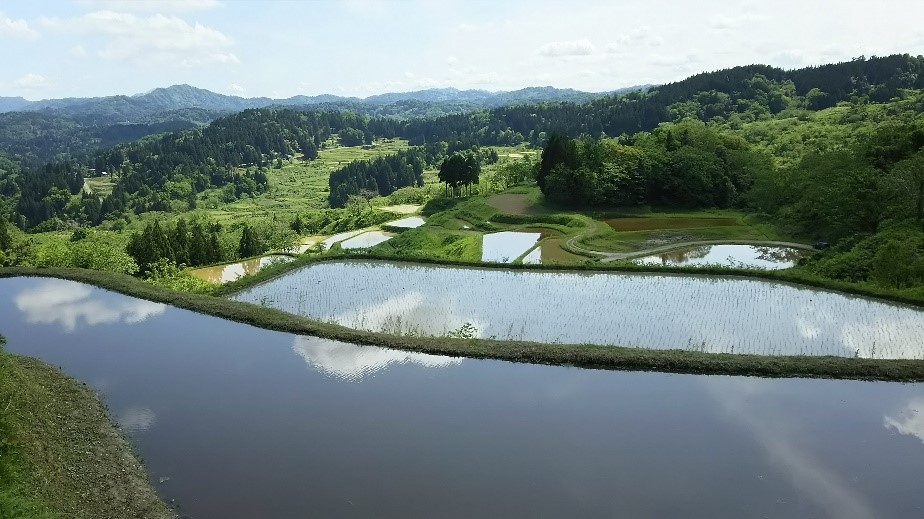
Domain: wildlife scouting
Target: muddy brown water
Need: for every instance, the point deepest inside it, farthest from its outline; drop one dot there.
(251, 423)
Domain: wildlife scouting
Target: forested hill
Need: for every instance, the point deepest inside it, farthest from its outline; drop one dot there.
(154, 171)
(38, 131)
(744, 94)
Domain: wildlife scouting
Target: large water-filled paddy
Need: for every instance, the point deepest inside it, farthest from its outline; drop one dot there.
(711, 314)
(250, 423)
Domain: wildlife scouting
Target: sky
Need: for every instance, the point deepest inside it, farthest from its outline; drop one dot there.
(278, 49)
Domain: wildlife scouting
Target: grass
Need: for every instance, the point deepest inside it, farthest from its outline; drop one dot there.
(588, 356)
(605, 238)
(60, 455)
(99, 186)
(298, 186)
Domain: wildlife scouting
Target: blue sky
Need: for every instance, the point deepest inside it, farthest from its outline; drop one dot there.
(82, 48)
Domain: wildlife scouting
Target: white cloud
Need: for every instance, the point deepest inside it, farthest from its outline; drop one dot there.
(237, 89)
(674, 60)
(725, 23)
(567, 48)
(158, 38)
(160, 6)
(642, 36)
(16, 29)
(31, 82)
(78, 51)
(452, 60)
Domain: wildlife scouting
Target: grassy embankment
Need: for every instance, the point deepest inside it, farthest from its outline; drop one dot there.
(60, 455)
(589, 356)
(455, 226)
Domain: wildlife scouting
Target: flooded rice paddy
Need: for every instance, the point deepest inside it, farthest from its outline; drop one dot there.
(232, 271)
(366, 240)
(701, 313)
(506, 246)
(411, 222)
(337, 238)
(740, 256)
(251, 423)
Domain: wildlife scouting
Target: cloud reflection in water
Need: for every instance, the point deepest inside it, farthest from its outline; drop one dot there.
(775, 433)
(67, 303)
(136, 419)
(353, 363)
(910, 420)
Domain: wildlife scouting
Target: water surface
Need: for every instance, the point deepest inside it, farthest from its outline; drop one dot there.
(411, 222)
(702, 313)
(740, 256)
(366, 240)
(232, 271)
(506, 246)
(250, 423)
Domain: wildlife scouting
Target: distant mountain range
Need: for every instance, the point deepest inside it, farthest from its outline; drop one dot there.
(142, 107)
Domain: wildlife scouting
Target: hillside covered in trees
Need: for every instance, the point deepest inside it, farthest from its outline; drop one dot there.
(829, 153)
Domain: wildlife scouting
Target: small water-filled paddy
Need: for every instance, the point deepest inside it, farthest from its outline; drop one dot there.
(741, 256)
(506, 246)
(250, 423)
(232, 271)
(411, 222)
(329, 242)
(710, 314)
(656, 223)
(534, 257)
(366, 240)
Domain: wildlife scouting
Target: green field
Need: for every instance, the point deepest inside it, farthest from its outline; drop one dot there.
(298, 186)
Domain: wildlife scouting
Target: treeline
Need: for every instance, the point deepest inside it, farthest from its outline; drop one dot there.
(866, 200)
(377, 177)
(165, 172)
(680, 165)
(183, 244)
(876, 79)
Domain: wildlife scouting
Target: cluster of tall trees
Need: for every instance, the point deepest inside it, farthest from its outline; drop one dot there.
(183, 244)
(458, 171)
(156, 172)
(379, 176)
(682, 165)
(852, 191)
(755, 89)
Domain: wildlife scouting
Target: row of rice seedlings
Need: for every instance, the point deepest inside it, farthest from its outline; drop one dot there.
(717, 315)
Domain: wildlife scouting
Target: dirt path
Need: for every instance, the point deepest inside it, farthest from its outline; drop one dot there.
(616, 256)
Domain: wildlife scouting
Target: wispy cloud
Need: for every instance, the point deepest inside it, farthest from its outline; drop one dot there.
(159, 6)
(643, 35)
(567, 48)
(725, 23)
(31, 82)
(159, 38)
(16, 29)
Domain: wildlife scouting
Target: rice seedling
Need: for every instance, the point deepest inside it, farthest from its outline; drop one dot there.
(656, 311)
